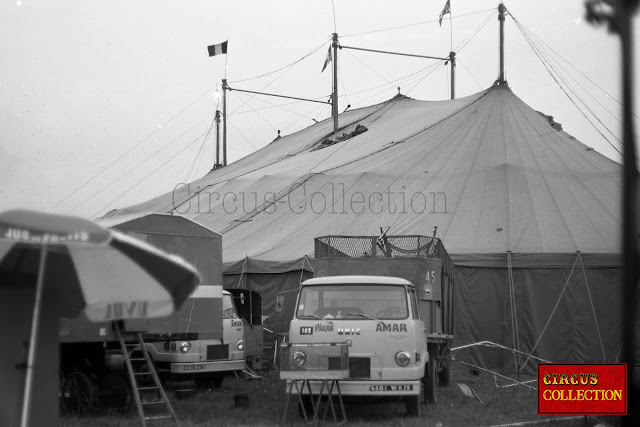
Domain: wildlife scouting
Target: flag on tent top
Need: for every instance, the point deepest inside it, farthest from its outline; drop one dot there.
(326, 61)
(447, 9)
(218, 49)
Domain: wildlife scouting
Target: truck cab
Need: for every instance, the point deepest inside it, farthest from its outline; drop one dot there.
(190, 345)
(379, 316)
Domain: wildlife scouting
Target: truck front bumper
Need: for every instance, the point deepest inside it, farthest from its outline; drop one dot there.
(207, 366)
(362, 388)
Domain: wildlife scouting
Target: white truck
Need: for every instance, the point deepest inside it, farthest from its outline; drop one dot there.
(379, 315)
(203, 341)
(392, 297)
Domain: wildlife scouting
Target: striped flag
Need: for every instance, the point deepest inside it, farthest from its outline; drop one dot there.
(447, 9)
(218, 49)
(326, 61)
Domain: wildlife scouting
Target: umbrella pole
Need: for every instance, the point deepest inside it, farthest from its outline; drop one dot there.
(35, 325)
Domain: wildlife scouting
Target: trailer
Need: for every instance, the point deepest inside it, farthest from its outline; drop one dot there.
(204, 340)
(424, 262)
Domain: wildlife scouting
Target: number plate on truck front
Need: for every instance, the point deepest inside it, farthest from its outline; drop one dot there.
(194, 367)
(392, 387)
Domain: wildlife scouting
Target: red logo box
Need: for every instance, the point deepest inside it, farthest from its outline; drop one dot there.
(598, 388)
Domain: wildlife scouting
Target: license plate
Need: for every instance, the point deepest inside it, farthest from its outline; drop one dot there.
(392, 387)
(194, 367)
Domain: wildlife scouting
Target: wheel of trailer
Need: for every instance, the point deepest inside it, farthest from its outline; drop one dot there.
(430, 384)
(115, 392)
(444, 375)
(77, 394)
(209, 380)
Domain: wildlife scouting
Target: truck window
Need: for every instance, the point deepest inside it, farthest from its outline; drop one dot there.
(228, 309)
(343, 301)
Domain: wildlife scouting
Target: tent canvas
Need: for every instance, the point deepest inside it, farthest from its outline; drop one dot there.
(497, 178)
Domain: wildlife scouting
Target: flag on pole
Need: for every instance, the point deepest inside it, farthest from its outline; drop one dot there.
(326, 61)
(218, 49)
(447, 9)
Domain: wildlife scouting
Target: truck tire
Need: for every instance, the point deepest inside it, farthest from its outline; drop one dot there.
(444, 375)
(115, 392)
(430, 382)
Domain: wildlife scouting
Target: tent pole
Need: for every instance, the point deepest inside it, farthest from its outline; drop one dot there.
(501, 12)
(217, 163)
(452, 60)
(334, 93)
(224, 122)
(35, 326)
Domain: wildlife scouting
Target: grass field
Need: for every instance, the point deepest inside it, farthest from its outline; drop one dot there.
(215, 407)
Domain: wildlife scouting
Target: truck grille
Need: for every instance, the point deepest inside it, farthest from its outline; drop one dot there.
(217, 352)
(359, 367)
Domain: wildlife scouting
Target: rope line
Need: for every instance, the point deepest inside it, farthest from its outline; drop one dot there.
(146, 176)
(475, 32)
(134, 167)
(129, 150)
(553, 311)
(413, 25)
(544, 63)
(593, 310)
(204, 140)
(286, 66)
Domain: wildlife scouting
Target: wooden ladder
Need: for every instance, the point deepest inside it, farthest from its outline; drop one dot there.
(144, 380)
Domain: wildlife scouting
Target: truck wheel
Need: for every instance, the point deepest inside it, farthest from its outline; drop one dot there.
(115, 392)
(430, 385)
(444, 376)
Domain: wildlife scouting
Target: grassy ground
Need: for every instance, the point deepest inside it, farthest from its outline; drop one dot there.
(493, 406)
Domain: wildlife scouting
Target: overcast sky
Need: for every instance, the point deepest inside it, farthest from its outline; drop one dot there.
(117, 94)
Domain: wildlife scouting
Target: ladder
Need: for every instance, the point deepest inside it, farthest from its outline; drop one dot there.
(145, 381)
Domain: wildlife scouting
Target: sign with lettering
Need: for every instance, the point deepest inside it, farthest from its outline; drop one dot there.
(582, 388)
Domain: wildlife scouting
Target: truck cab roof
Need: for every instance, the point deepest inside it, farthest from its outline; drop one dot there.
(367, 280)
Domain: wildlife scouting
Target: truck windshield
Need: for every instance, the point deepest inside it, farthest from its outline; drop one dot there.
(337, 301)
(228, 308)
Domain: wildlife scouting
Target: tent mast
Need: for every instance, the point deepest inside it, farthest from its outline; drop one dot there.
(334, 93)
(501, 13)
(224, 122)
(452, 60)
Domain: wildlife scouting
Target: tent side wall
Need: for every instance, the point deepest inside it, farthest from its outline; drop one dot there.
(554, 311)
(483, 309)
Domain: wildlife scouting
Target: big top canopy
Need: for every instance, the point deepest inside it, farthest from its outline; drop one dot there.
(530, 215)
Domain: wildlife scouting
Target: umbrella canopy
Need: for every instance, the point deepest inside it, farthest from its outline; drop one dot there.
(107, 274)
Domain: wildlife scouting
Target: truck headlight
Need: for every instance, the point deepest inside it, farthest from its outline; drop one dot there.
(299, 358)
(185, 346)
(240, 344)
(402, 358)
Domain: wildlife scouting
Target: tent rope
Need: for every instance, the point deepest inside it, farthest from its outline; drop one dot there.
(552, 312)
(244, 264)
(304, 260)
(593, 310)
(514, 320)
